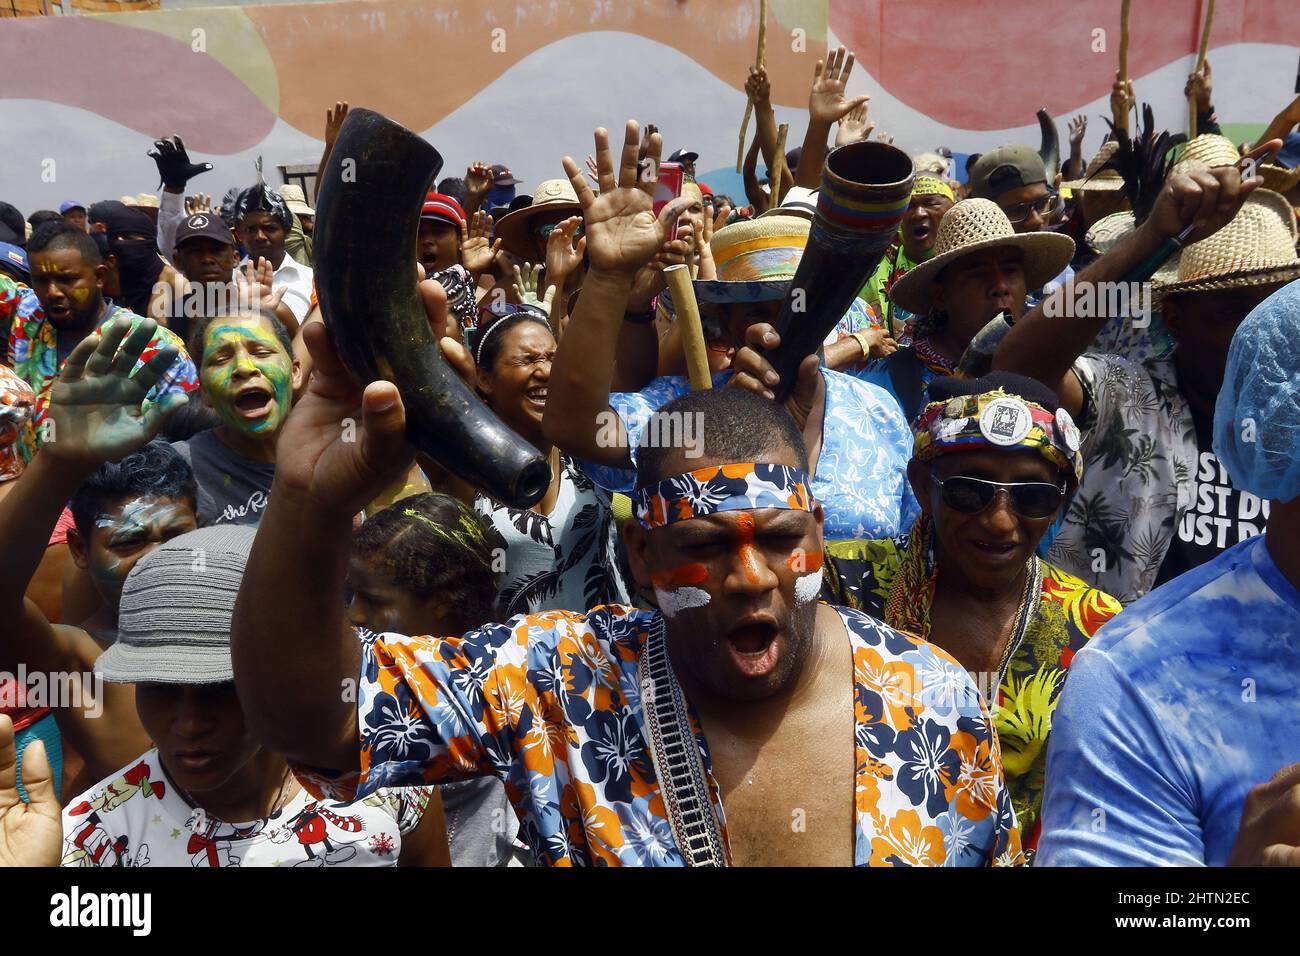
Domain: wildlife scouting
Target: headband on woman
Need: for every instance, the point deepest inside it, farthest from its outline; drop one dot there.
(525, 310)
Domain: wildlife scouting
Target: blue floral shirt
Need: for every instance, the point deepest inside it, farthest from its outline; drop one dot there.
(551, 703)
(1177, 708)
(861, 476)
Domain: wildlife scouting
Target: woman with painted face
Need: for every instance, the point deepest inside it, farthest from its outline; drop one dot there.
(208, 794)
(127, 495)
(995, 461)
(562, 552)
(430, 565)
(247, 374)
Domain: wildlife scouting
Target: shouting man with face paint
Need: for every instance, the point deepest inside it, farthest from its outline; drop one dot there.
(128, 495)
(68, 273)
(248, 374)
(623, 735)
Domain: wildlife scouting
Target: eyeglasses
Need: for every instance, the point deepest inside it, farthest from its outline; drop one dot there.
(1047, 206)
(1029, 499)
(544, 232)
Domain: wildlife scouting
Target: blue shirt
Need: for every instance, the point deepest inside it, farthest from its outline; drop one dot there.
(861, 476)
(1177, 708)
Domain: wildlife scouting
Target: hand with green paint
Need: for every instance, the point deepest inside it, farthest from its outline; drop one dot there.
(96, 405)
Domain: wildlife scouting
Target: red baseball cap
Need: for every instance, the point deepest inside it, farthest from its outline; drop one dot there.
(438, 206)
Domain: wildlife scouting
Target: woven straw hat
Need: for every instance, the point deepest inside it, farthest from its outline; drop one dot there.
(799, 201)
(1210, 150)
(553, 195)
(1108, 230)
(1108, 180)
(756, 260)
(973, 225)
(174, 622)
(1256, 248)
(1279, 178)
(296, 200)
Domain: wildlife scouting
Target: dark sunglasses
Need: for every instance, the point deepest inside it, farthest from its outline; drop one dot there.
(1029, 499)
(544, 232)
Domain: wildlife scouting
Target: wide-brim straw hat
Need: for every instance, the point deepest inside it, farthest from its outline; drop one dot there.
(1258, 247)
(1096, 179)
(177, 602)
(971, 226)
(296, 200)
(756, 260)
(551, 196)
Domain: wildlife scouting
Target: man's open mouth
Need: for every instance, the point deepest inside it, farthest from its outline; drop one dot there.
(536, 394)
(753, 646)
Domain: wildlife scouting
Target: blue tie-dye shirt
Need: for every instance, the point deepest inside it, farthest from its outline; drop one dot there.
(1172, 713)
(861, 475)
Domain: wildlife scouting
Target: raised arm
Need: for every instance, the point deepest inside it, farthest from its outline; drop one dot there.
(295, 657)
(1046, 347)
(826, 105)
(1283, 122)
(623, 234)
(760, 91)
(334, 117)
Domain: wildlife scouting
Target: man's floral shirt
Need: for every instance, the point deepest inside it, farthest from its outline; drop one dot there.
(550, 703)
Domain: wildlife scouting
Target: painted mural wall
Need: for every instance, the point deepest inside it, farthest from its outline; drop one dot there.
(524, 81)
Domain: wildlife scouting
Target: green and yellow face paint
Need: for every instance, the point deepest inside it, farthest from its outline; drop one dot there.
(246, 374)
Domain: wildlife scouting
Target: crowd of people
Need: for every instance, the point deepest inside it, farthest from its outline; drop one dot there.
(1011, 577)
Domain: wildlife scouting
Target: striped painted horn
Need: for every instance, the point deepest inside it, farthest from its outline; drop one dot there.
(367, 218)
(864, 194)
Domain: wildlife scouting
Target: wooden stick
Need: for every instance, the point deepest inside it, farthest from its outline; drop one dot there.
(688, 314)
(749, 103)
(776, 174)
(1200, 65)
(1123, 52)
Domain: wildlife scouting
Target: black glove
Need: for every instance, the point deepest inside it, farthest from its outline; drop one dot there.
(174, 166)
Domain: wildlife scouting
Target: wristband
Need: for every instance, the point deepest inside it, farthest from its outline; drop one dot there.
(861, 339)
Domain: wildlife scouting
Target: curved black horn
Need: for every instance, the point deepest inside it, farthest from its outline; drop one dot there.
(1050, 150)
(367, 217)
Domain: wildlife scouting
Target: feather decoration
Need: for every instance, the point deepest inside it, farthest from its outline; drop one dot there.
(1143, 162)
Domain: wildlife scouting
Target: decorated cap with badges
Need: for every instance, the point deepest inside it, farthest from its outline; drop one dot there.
(998, 419)
(205, 224)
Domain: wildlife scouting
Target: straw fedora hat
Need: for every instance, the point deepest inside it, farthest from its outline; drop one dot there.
(1096, 179)
(1256, 248)
(551, 196)
(1209, 149)
(1103, 234)
(296, 200)
(970, 226)
(1279, 178)
(756, 260)
(799, 201)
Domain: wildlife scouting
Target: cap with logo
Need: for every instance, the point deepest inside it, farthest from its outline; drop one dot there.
(205, 225)
(501, 176)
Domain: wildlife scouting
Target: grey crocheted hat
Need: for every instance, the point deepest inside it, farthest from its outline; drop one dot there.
(174, 622)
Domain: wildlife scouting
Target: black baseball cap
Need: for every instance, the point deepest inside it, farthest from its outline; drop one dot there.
(684, 156)
(501, 176)
(206, 224)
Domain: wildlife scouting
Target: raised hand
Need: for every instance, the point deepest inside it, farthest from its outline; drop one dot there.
(753, 372)
(1205, 199)
(31, 834)
(334, 117)
(826, 102)
(253, 284)
(592, 172)
(96, 403)
(622, 231)
(478, 180)
(476, 252)
(196, 204)
(1122, 99)
(563, 255)
(173, 162)
(1078, 126)
(854, 126)
(757, 85)
(1200, 84)
(525, 282)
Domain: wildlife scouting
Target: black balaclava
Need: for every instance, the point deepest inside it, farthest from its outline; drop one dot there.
(138, 262)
